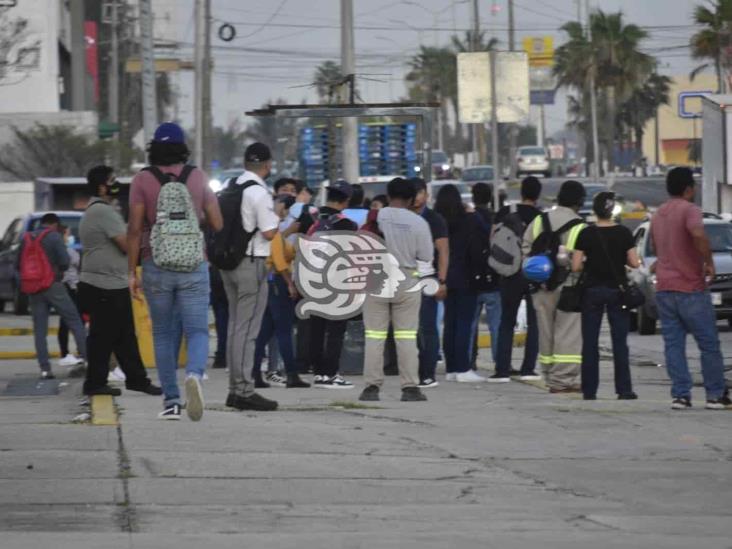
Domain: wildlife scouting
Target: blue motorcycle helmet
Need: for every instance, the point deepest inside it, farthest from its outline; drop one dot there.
(538, 268)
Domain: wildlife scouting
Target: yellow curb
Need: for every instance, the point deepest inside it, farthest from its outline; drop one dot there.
(24, 355)
(23, 331)
(484, 340)
(634, 215)
(103, 411)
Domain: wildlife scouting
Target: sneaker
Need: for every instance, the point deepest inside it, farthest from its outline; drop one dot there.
(148, 389)
(254, 402)
(116, 375)
(681, 403)
(495, 378)
(194, 398)
(452, 376)
(370, 394)
(335, 382)
(533, 376)
(628, 396)
(104, 390)
(427, 383)
(274, 378)
(295, 382)
(78, 371)
(171, 412)
(47, 374)
(469, 377)
(69, 360)
(412, 394)
(721, 403)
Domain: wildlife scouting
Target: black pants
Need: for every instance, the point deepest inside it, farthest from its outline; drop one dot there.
(513, 290)
(63, 329)
(111, 329)
(302, 346)
(326, 344)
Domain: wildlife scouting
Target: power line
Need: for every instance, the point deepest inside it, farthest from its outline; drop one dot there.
(268, 21)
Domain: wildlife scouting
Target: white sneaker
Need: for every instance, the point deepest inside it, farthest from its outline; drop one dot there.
(69, 360)
(452, 376)
(530, 377)
(276, 379)
(116, 375)
(194, 398)
(469, 377)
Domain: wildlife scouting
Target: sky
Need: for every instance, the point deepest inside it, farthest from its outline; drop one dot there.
(280, 43)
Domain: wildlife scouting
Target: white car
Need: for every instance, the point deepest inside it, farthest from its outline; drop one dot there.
(533, 160)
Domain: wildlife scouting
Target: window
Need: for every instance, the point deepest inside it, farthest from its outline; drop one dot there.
(11, 235)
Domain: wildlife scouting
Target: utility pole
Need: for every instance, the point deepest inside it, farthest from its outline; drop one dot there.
(593, 102)
(513, 128)
(78, 56)
(207, 66)
(199, 61)
(351, 168)
(113, 70)
(149, 100)
(494, 132)
(478, 129)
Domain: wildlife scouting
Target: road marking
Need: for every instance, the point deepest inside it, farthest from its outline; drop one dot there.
(103, 411)
(24, 355)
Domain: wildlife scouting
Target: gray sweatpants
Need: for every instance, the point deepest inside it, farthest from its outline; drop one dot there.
(246, 290)
(57, 297)
(403, 314)
(560, 341)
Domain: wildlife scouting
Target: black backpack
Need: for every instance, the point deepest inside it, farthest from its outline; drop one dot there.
(547, 243)
(228, 247)
(482, 278)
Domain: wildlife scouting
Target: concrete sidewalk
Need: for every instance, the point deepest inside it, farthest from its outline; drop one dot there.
(504, 466)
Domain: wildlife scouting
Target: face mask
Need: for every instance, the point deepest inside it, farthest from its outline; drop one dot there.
(114, 188)
(70, 240)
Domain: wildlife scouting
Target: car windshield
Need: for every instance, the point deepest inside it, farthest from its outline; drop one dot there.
(478, 174)
(532, 151)
(439, 157)
(71, 221)
(720, 239)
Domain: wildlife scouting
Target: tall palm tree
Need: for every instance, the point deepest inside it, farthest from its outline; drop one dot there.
(327, 76)
(714, 41)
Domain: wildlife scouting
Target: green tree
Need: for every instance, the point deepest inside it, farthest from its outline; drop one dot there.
(328, 77)
(714, 41)
(228, 144)
(642, 107)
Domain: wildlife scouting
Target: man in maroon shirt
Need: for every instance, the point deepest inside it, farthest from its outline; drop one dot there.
(684, 304)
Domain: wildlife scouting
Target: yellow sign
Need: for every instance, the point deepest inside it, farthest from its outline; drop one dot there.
(540, 50)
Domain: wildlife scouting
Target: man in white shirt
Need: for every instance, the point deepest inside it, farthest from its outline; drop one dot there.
(246, 285)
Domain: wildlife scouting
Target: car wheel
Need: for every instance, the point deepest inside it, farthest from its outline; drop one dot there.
(646, 324)
(20, 303)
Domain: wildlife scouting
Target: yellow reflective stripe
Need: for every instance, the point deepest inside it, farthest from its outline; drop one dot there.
(538, 226)
(568, 359)
(573, 235)
(405, 331)
(405, 336)
(376, 334)
(543, 359)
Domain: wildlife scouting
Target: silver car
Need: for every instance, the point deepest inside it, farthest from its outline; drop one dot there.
(720, 238)
(533, 160)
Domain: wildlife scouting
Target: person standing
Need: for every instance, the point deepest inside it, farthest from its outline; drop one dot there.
(515, 289)
(462, 300)
(602, 252)
(560, 333)
(408, 239)
(55, 294)
(175, 298)
(246, 285)
(428, 336)
(684, 259)
(71, 281)
(105, 294)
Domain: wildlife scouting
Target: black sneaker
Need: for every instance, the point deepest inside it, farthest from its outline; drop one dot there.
(628, 396)
(721, 403)
(335, 382)
(295, 382)
(429, 382)
(148, 388)
(370, 394)
(276, 379)
(253, 402)
(681, 403)
(171, 413)
(497, 378)
(103, 390)
(412, 394)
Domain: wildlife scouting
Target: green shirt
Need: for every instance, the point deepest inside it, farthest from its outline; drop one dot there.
(103, 264)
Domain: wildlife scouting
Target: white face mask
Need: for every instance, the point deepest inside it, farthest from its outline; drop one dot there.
(70, 240)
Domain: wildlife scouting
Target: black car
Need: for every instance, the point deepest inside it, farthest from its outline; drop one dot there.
(10, 247)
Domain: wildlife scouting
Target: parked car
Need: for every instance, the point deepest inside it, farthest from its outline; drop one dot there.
(533, 160)
(474, 174)
(719, 232)
(441, 167)
(10, 247)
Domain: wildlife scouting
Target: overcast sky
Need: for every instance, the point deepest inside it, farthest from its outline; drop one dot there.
(280, 43)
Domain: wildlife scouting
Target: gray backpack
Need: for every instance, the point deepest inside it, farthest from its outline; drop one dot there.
(505, 257)
(176, 238)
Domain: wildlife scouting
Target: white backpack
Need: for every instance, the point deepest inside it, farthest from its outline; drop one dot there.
(176, 238)
(505, 257)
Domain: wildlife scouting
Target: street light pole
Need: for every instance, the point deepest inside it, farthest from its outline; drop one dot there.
(351, 168)
(494, 132)
(149, 101)
(593, 102)
(113, 71)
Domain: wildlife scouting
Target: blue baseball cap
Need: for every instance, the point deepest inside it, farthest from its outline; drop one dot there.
(169, 132)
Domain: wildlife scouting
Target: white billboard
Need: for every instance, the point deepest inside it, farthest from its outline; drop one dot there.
(29, 71)
(474, 87)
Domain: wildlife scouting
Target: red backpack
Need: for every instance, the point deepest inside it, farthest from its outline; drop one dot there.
(36, 273)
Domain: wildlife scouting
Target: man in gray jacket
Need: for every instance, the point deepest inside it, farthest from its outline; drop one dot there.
(56, 296)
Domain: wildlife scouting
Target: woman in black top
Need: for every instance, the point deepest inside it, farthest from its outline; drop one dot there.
(603, 250)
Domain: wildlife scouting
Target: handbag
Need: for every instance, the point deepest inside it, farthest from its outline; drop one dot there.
(570, 296)
(631, 296)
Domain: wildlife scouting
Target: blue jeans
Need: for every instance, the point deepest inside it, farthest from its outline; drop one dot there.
(278, 320)
(513, 290)
(594, 303)
(492, 303)
(458, 332)
(184, 296)
(690, 313)
(428, 338)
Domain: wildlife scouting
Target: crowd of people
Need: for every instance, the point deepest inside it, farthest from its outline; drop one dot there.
(186, 249)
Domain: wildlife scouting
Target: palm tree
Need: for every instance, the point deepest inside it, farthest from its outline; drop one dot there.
(715, 40)
(328, 76)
